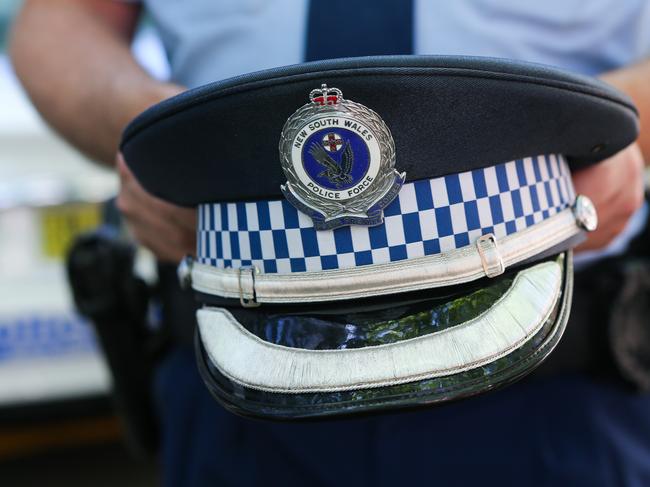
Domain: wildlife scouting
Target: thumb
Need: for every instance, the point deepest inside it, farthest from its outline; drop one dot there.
(122, 168)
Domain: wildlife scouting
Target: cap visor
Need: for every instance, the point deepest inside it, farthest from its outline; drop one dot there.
(288, 366)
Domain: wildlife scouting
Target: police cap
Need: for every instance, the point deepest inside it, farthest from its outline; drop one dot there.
(382, 232)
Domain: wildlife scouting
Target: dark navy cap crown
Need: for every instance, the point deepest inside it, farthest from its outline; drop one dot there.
(219, 142)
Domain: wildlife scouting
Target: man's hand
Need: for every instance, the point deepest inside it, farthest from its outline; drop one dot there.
(168, 231)
(616, 188)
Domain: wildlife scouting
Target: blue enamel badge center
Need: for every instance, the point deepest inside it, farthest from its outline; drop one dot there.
(339, 159)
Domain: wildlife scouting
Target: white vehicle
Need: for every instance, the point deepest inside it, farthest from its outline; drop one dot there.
(48, 194)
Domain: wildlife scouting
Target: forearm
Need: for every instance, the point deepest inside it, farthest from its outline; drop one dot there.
(635, 82)
(76, 65)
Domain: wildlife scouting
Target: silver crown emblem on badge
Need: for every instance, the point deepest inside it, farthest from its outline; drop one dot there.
(325, 96)
(339, 160)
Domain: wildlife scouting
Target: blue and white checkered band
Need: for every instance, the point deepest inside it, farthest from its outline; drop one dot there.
(428, 217)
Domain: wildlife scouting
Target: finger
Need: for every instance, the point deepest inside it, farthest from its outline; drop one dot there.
(122, 169)
(599, 240)
(140, 198)
(169, 247)
(150, 225)
(184, 218)
(157, 218)
(163, 250)
(616, 188)
(157, 227)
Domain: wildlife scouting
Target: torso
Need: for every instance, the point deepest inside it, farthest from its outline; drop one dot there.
(217, 39)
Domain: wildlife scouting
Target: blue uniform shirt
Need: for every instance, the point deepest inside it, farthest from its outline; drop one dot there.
(208, 40)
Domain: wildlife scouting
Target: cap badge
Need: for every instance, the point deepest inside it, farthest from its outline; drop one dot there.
(339, 160)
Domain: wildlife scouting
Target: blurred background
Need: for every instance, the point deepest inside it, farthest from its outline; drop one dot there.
(57, 421)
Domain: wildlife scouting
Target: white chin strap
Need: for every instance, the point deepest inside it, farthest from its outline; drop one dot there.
(486, 257)
(513, 320)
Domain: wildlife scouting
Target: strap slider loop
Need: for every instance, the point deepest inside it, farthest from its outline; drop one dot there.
(491, 259)
(248, 303)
